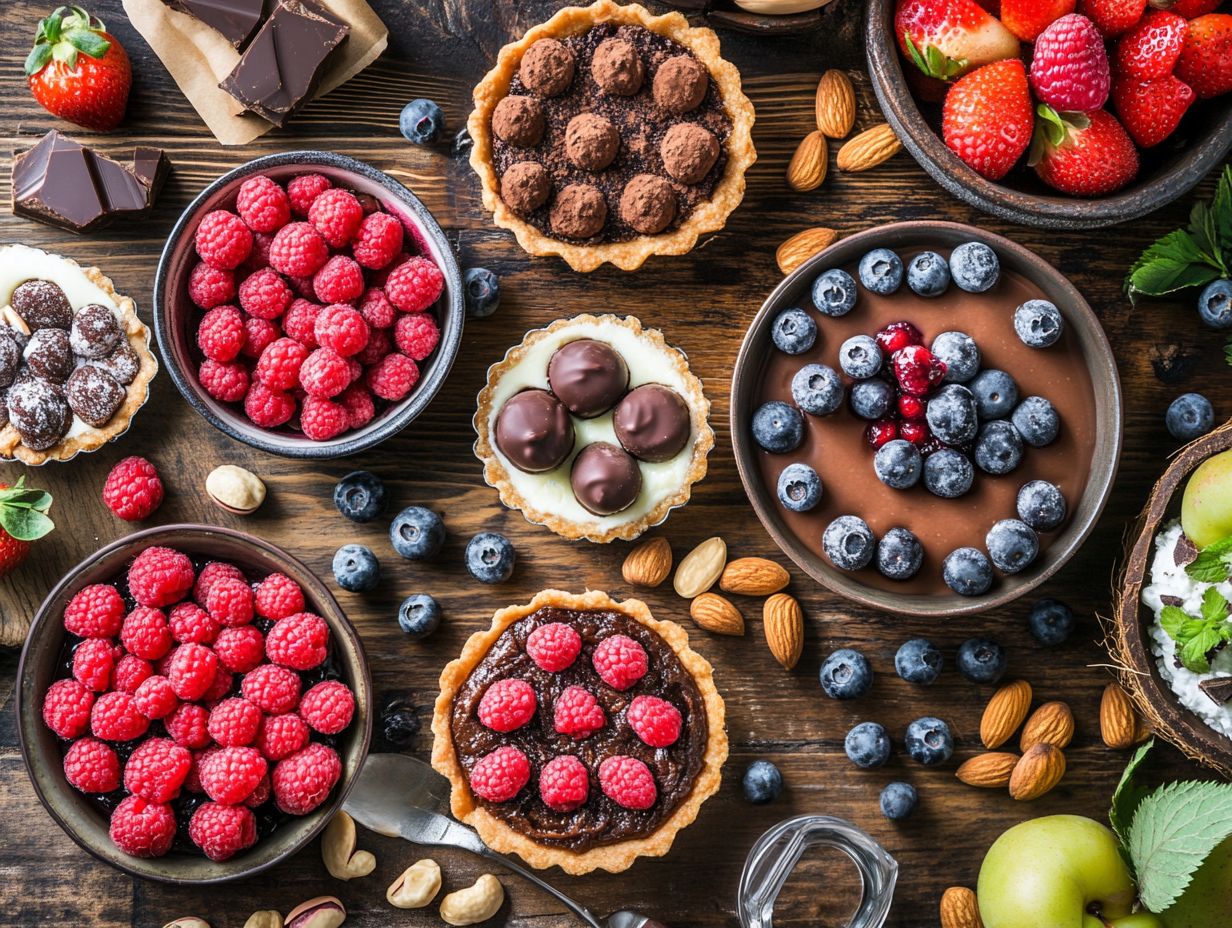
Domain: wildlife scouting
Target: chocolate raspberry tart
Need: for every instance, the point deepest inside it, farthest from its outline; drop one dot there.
(608, 134)
(579, 732)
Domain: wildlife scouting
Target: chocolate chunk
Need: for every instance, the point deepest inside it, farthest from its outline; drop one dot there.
(534, 431)
(10, 356)
(605, 478)
(526, 187)
(39, 412)
(42, 305)
(579, 212)
(652, 423)
(93, 395)
(122, 364)
(519, 120)
(1185, 552)
(617, 67)
(680, 84)
(648, 204)
(282, 66)
(688, 152)
(237, 20)
(1169, 600)
(547, 68)
(95, 331)
(588, 376)
(591, 142)
(49, 355)
(1218, 689)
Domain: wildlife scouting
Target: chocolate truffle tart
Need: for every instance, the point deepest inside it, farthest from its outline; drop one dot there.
(569, 633)
(607, 134)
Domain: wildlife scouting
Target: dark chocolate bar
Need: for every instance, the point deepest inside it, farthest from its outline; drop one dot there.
(1218, 689)
(237, 20)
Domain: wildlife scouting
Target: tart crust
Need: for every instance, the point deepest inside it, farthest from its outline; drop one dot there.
(499, 836)
(708, 216)
(496, 475)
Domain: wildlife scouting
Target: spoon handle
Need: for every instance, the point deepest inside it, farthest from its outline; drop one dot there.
(577, 909)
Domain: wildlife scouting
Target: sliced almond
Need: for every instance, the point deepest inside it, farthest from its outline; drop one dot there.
(10, 317)
(868, 149)
(960, 909)
(783, 624)
(1037, 771)
(1004, 713)
(802, 246)
(753, 576)
(716, 614)
(835, 104)
(649, 563)
(1052, 723)
(700, 568)
(1118, 722)
(807, 168)
(988, 771)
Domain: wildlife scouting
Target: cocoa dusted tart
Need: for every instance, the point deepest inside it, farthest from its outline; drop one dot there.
(608, 134)
(579, 732)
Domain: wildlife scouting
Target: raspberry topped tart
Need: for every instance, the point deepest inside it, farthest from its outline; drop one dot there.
(579, 732)
(608, 134)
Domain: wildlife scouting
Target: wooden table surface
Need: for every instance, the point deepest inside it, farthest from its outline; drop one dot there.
(703, 301)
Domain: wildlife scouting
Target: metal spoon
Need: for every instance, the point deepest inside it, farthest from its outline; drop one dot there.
(403, 797)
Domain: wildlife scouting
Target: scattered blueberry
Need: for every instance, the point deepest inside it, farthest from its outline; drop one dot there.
(490, 557)
(898, 800)
(762, 782)
(1038, 323)
(793, 331)
(356, 568)
(1215, 304)
(899, 554)
(929, 741)
(417, 533)
(1189, 415)
(1051, 622)
(1041, 505)
(419, 616)
(881, 271)
(948, 473)
(778, 427)
(859, 357)
(482, 292)
(360, 496)
(421, 122)
(799, 487)
(399, 723)
(960, 354)
(951, 414)
(849, 543)
(928, 274)
(1012, 545)
(998, 448)
(967, 572)
(871, 399)
(846, 674)
(995, 393)
(834, 293)
(917, 661)
(974, 267)
(981, 660)
(1037, 421)
(817, 389)
(898, 464)
(867, 745)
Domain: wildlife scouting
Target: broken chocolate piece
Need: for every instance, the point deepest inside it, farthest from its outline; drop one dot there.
(237, 20)
(1185, 552)
(1169, 600)
(1217, 689)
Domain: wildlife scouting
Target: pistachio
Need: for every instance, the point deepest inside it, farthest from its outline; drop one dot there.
(417, 886)
(338, 850)
(189, 921)
(474, 904)
(234, 489)
(266, 918)
(321, 912)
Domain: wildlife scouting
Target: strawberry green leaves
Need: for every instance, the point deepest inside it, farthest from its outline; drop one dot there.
(23, 511)
(1052, 130)
(933, 61)
(1174, 830)
(1196, 637)
(61, 37)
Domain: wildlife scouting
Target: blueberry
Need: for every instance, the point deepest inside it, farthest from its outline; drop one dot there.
(998, 449)
(975, 267)
(778, 427)
(421, 122)
(482, 289)
(948, 473)
(898, 464)
(917, 661)
(981, 660)
(399, 723)
(867, 745)
(881, 271)
(834, 293)
(929, 741)
(762, 782)
(951, 414)
(1037, 422)
(960, 354)
(995, 394)
(1215, 304)
(898, 800)
(817, 389)
(1051, 622)
(967, 572)
(356, 568)
(490, 557)
(360, 496)
(1038, 323)
(793, 331)
(1012, 545)
(899, 554)
(1041, 505)
(1189, 415)
(928, 274)
(799, 488)
(859, 357)
(846, 674)
(417, 533)
(419, 616)
(871, 399)
(849, 543)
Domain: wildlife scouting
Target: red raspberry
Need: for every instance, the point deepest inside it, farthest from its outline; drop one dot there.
(259, 334)
(299, 322)
(500, 776)
(337, 215)
(94, 662)
(155, 698)
(115, 718)
(380, 343)
(262, 204)
(220, 334)
(342, 328)
(279, 364)
(898, 335)
(379, 278)
(327, 707)
(378, 241)
(414, 285)
(554, 646)
(209, 287)
(302, 781)
(223, 683)
(92, 766)
(214, 570)
(259, 256)
(917, 370)
(507, 704)
(222, 831)
(274, 689)
(357, 402)
(377, 311)
(145, 633)
(393, 377)
(159, 577)
(656, 721)
(302, 287)
(191, 670)
(227, 383)
(324, 373)
(298, 250)
(564, 783)
(142, 829)
(912, 408)
(261, 794)
(96, 611)
(578, 713)
(303, 190)
(265, 295)
(339, 281)
(240, 649)
(230, 602)
(881, 432)
(628, 782)
(157, 769)
(66, 708)
(281, 736)
(268, 408)
(228, 775)
(417, 335)
(130, 672)
(189, 622)
(234, 722)
(619, 661)
(918, 433)
(299, 641)
(322, 419)
(222, 239)
(278, 596)
(133, 490)
(187, 726)
(192, 782)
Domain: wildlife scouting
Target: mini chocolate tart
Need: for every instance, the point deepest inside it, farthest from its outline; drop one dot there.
(552, 652)
(607, 134)
(594, 427)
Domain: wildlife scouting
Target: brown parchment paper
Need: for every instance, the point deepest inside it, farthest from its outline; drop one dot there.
(198, 58)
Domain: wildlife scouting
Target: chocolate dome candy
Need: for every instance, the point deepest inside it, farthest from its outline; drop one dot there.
(39, 412)
(579, 212)
(519, 120)
(652, 423)
(617, 68)
(93, 396)
(648, 204)
(605, 478)
(49, 355)
(688, 152)
(10, 356)
(95, 331)
(526, 186)
(534, 431)
(680, 84)
(547, 67)
(591, 142)
(122, 364)
(42, 305)
(588, 376)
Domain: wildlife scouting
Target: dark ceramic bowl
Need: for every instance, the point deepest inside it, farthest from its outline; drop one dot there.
(175, 316)
(755, 354)
(42, 662)
(1168, 170)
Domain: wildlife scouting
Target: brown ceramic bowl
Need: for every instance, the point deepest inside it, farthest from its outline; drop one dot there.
(755, 354)
(42, 662)
(1169, 170)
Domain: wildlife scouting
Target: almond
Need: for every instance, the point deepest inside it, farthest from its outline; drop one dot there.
(959, 909)
(783, 623)
(649, 563)
(988, 771)
(835, 104)
(868, 149)
(1037, 771)
(807, 168)
(700, 568)
(802, 246)
(1052, 723)
(1118, 723)
(716, 614)
(1004, 713)
(753, 576)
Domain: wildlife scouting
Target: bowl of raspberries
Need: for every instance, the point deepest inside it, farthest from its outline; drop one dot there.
(193, 704)
(308, 305)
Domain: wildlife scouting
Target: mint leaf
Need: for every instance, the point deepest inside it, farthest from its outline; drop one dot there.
(1214, 606)
(25, 524)
(1213, 563)
(1125, 801)
(1173, 831)
(1193, 653)
(1173, 620)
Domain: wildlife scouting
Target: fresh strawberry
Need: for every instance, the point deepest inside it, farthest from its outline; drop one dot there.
(1150, 49)
(1150, 110)
(1206, 57)
(23, 519)
(1086, 155)
(1069, 68)
(1112, 17)
(77, 71)
(947, 38)
(1190, 9)
(1028, 18)
(987, 119)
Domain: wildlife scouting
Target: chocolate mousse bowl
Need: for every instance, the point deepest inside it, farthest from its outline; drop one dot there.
(1076, 373)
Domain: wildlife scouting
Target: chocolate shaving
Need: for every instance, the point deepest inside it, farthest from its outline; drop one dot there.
(1217, 689)
(1185, 552)
(1169, 600)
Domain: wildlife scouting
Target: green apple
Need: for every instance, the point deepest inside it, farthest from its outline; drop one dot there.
(1060, 871)
(1207, 900)
(1206, 507)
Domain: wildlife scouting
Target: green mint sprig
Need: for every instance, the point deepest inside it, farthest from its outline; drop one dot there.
(1196, 637)
(1213, 563)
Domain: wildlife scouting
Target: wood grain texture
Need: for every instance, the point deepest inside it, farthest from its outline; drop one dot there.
(440, 48)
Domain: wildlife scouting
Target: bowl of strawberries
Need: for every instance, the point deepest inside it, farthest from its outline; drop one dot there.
(1064, 114)
(308, 305)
